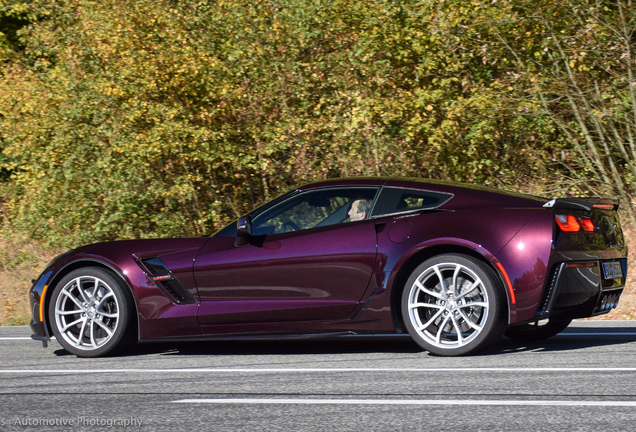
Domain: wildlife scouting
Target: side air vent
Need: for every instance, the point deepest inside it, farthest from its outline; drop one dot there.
(163, 277)
(545, 306)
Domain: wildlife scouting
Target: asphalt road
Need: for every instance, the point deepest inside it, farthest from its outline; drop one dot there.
(583, 379)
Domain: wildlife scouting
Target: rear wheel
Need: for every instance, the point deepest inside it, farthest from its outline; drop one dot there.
(92, 313)
(538, 330)
(453, 305)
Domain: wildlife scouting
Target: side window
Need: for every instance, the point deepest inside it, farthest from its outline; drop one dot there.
(315, 209)
(395, 200)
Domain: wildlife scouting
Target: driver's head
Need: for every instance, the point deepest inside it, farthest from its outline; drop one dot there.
(359, 209)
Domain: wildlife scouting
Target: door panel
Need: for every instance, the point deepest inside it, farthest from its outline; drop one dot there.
(310, 274)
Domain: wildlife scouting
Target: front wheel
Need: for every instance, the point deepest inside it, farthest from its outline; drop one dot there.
(92, 313)
(453, 305)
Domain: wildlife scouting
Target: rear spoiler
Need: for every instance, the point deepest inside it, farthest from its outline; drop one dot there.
(586, 204)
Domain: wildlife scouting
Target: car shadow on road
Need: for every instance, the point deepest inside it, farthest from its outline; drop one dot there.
(569, 341)
(282, 346)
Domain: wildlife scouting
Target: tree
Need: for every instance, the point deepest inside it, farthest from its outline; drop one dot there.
(174, 117)
(14, 15)
(575, 61)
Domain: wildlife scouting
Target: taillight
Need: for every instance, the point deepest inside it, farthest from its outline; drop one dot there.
(587, 224)
(567, 223)
(570, 223)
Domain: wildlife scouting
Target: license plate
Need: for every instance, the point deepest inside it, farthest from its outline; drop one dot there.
(612, 270)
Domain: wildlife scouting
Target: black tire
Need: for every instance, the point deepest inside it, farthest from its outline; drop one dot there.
(538, 330)
(454, 305)
(92, 313)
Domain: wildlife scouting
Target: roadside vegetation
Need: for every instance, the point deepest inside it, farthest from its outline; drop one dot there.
(152, 118)
(21, 260)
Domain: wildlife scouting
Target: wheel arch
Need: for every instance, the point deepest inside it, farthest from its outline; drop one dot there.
(402, 274)
(83, 263)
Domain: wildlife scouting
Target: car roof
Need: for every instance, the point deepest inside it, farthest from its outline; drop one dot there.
(464, 195)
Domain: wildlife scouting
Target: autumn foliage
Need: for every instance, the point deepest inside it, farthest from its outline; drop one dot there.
(148, 118)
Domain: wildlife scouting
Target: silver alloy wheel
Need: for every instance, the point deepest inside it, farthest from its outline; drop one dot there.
(87, 313)
(448, 305)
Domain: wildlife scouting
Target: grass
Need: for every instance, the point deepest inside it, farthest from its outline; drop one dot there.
(22, 260)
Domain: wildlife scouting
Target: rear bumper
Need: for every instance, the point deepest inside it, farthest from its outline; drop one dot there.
(581, 289)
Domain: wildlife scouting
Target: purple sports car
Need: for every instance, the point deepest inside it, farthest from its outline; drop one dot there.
(454, 266)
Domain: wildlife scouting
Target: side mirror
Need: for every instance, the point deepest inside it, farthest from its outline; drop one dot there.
(243, 230)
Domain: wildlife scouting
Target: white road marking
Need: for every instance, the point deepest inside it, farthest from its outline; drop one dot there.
(315, 370)
(579, 403)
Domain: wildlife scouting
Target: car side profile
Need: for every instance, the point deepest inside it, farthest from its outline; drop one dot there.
(455, 266)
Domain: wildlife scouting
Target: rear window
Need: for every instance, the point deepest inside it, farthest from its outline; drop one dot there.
(396, 200)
